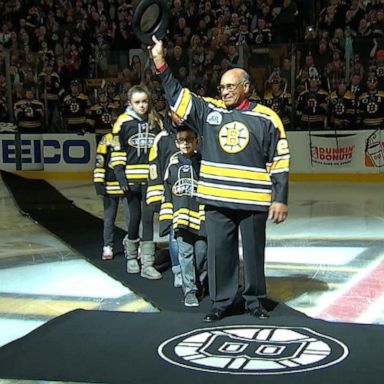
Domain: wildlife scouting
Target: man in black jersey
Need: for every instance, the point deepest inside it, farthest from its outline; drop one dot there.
(243, 181)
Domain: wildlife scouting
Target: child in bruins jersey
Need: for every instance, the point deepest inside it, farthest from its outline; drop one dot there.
(181, 210)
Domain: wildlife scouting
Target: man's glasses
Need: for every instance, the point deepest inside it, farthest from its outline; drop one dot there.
(228, 87)
(183, 140)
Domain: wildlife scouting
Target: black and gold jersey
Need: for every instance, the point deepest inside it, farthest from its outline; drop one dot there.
(102, 117)
(180, 208)
(245, 154)
(164, 147)
(371, 108)
(29, 115)
(132, 143)
(103, 175)
(74, 109)
(342, 109)
(281, 104)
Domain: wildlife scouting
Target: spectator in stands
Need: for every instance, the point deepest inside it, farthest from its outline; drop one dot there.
(74, 107)
(284, 25)
(286, 73)
(136, 70)
(371, 104)
(342, 109)
(364, 29)
(312, 105)
(29, 113)
(279, 100)
(178, 59)
(102, 114)
(308, 70)
(322, 56)
(328, 20)
(378, 25)
(49, 89)
(233, 56)
(3, 108)
(261, 35)
(100, 50)
(335, 71)
(354, 14)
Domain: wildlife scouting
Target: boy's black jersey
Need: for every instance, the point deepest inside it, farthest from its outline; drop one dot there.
(164, 147)
(179, 206)
(245, 154)
(103, 175)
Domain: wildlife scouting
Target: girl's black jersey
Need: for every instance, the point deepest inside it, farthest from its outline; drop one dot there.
(132, 143)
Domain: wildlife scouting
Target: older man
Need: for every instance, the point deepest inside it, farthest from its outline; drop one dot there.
(243, 181)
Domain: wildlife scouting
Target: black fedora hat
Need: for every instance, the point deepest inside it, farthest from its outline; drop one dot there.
(150, 18)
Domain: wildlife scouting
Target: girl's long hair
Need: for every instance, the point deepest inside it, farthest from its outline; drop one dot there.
(154, 119)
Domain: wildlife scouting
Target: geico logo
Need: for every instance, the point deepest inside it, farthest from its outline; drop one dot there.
(47, 151)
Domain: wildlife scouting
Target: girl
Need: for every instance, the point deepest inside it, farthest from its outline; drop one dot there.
(134, 133)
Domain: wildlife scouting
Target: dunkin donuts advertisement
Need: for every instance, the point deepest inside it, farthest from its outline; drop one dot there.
(374, 150)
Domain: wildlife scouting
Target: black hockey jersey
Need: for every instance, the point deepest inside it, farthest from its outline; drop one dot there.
(245, 154)
(180, 207)
(132, 143)
(29, 115)
(103, 175)
(164, 147)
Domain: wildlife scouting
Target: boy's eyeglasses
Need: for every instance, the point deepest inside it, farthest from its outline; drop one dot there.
(183, 140)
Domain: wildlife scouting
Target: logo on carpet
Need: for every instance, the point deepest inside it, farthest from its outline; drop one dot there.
(253, 350)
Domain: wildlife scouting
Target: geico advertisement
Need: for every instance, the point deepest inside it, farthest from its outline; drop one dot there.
(47, 152)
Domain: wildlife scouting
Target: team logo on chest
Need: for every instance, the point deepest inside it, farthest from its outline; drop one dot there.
(233, 137)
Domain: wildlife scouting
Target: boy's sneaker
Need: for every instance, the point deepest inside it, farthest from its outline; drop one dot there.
(191, 300)
(107, 253)
(177, 281)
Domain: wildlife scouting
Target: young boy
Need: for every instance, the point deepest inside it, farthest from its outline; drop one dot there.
(180, 210)
(107, 186)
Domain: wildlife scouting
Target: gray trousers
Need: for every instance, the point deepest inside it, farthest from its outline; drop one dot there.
(111, 204)
(193, 260)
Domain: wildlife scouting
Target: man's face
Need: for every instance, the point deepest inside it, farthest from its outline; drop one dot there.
(233, 89)
(186, 141)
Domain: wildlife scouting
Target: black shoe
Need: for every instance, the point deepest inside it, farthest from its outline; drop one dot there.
(260, 313)
(214, 315)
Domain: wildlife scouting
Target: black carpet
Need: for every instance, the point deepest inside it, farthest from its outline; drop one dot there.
(115, 347)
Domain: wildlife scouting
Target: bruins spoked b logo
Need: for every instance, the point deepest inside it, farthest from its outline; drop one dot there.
(253, 350)
(233, 137)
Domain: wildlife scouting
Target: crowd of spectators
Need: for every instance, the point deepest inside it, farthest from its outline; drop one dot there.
(338, 47)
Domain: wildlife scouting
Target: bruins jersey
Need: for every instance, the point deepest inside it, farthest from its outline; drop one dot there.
(132, 143)
(371, 108)
(101, 117)
(103, 175)
(180, 208)
(245, 154)
(281, 104)
(312, 106)
(164, 147)
(342, 109)
(74, 109)
(29, 115)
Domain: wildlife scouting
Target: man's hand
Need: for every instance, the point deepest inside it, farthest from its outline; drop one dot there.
(278, 212)
(157, 52)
